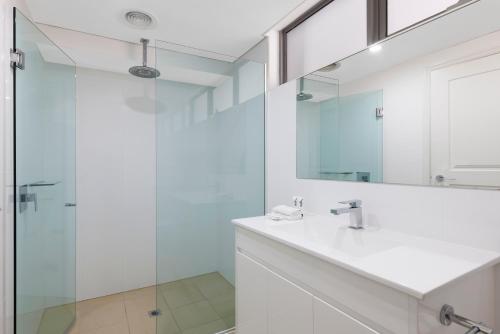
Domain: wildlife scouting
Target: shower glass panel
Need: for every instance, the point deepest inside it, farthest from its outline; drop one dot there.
(210, 169)
(44, 184)
(339, 137)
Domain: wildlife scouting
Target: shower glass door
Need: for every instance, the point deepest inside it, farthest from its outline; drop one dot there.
(44, 184)
(210, 169)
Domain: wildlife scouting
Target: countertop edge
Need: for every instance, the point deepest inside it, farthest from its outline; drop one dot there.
(420, 295)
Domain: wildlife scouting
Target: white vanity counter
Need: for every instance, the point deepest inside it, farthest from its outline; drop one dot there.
(413, 265)
(317, 276)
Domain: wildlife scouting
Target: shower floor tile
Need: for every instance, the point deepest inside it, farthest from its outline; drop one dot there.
(196, 305)
(181, 293)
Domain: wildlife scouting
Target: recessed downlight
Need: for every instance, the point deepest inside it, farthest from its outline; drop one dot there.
(375, 48)
(139, 19)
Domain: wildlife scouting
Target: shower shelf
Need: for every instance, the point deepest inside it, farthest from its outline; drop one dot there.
(41, 184)
(337, 173)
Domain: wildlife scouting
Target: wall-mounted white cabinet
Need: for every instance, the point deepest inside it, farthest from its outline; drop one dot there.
(404, 13)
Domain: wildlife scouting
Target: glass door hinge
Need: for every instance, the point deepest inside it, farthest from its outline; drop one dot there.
(17, 59)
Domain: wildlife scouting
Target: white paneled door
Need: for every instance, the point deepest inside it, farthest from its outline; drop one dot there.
(465, 122)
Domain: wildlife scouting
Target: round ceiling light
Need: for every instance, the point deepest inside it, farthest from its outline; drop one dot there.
(139, 19)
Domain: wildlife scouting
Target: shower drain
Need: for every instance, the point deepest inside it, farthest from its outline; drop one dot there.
(154, 313)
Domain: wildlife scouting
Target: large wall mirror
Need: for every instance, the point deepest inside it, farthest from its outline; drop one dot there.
(420, 108)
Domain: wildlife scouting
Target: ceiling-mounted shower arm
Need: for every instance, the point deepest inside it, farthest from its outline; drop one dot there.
(145, 43)
(144, 71)
(301, 85)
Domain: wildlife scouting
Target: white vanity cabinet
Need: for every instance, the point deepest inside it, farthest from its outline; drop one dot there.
(330, 320)
(269, 303)
(289, 308)
(286, 283)
(251, 296)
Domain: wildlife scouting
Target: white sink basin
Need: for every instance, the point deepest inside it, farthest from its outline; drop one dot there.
(408, 263)
(332, 236)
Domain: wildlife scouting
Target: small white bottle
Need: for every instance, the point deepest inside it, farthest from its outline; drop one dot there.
(298, 202)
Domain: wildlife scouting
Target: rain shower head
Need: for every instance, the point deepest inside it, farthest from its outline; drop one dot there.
(144, 71)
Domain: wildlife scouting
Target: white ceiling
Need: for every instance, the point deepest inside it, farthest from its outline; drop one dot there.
(229, 27)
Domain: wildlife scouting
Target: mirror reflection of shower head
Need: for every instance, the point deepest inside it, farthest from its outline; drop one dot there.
(301, 96)
(144, 71)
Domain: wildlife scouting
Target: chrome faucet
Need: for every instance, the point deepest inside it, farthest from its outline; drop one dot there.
(355, 212)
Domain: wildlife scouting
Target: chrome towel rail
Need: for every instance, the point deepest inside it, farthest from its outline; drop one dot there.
(447, 316)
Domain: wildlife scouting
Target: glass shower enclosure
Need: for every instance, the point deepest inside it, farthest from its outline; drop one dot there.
(44, 183)
(339, 136)
(210, 169)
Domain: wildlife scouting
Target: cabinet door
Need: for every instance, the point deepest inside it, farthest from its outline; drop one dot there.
(251, 299)
(330, 320)
(290, 307)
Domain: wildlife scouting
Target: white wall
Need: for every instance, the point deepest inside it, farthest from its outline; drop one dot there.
(333, 33)
(6, 175)
(309, 140)
(115, 183)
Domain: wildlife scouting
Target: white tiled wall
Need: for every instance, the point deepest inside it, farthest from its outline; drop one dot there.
(116, 227)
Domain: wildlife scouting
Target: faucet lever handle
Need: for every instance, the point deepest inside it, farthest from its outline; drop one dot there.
(353, 203)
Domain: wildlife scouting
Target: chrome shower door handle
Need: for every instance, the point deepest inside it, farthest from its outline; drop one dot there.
(26, 197)
(32, 197)
(35, 200)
